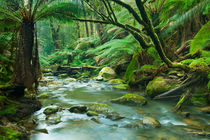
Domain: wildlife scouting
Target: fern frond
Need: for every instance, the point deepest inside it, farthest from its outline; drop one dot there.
(201, 40)
(63, 11)
(196, 10)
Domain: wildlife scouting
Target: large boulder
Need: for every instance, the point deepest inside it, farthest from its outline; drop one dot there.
(130, 99)
(107, 73)
(159, 85)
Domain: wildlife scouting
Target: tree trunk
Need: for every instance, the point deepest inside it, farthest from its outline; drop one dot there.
(86, 24)
(55, 32)
(24, 74)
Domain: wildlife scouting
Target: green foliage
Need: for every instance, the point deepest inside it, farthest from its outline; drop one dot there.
(205, 62)
(177, 12)
(9, 134)
(116, 50)
(153, 52)
(132, 67)
(201, 40)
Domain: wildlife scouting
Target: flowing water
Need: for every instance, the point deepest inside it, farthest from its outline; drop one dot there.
(81, 127)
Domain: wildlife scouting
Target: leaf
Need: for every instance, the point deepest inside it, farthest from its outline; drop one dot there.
(201, 40)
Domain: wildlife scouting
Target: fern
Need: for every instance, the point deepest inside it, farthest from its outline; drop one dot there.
(181, 18)
(115, 50)
(201, 40)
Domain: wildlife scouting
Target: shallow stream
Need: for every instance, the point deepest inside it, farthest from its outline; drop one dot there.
(75, 126)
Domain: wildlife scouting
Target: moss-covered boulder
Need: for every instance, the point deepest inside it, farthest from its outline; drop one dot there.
(107, 73)
(130, 99)
(92, 113)
(10, 134)
(159, 85)
(150, 122)
(121, 86)
(78, 109)
(105, 110)
(51, 110)
(116, 81)
(100, 108)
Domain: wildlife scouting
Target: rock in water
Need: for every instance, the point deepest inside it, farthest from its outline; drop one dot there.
(151, 122)
(49, 111)
(78, 109)
(92, 113)
(53, 118)
(130, 99)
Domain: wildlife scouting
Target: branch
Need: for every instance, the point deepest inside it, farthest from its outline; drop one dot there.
(115, 18)
(92, 20)
(131, 10)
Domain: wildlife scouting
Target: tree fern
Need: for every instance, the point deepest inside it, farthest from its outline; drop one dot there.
(201, 40)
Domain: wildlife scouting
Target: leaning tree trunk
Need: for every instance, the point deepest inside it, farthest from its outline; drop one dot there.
(24, 74)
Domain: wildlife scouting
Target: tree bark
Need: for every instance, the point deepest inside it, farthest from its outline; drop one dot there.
(24, 74)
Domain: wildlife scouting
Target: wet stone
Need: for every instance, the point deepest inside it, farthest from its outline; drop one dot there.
(49, 111)
(78, 109)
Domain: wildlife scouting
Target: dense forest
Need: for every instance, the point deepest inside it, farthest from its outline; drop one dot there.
(104, 69)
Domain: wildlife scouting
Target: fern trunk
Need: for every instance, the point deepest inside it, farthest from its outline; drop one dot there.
(24, 71)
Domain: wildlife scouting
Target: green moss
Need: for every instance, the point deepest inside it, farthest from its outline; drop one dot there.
(158, 86)
(100, 108)
(92, 113)
(9, 134)
(130, 99)
(7, 106)
(43, 95)
(121, 86)
(116, 81)
(48, 74)
(199, 98)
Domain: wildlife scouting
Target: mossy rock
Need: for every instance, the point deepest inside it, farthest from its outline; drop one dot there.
(78, 109)
(159, 85)
(100, 108)
(107, 73)
(53, 119)
(121, 86)
(116, 81)
(130, 99)
(10, 134)
(151, 122)
(48, 74)
(63, 75)
(43, 95)
(49, 111)
(92, 113)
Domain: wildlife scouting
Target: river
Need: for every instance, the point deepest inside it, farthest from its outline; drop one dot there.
(74, 126)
